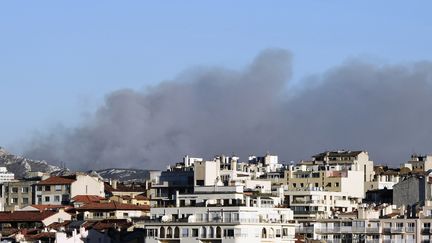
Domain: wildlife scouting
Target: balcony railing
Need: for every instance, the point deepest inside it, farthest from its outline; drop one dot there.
(304, 229)
(398, 230)
(409, 229)
(373, 230)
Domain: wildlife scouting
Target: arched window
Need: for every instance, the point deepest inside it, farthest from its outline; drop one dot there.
(211, 232)
(271, 233)
(203, 232)
(218, 232)
(176, 232)
(264, 233)
(162, 232)
(169, 232)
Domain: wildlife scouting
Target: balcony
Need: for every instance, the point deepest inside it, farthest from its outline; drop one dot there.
(386, 230)
(397, 230)
(426, 231)
(304, 230)
(373, 230)
(358, 229)
(409, 229)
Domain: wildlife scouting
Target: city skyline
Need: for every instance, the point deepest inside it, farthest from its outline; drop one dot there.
(62, 68)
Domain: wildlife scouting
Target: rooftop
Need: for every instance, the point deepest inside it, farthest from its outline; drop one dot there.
(58, 180)
(112, 206)
(25, 216)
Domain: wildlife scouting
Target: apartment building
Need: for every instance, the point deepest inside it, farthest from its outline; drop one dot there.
(413, 190)
(5, 175)
(356, 160)
(419, 162)
(19, 193)
(215, 215)
(317, 204)
(58, 190)
(111, 210)
(334, 178)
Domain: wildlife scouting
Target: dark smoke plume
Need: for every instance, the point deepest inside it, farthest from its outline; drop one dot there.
(385, 110)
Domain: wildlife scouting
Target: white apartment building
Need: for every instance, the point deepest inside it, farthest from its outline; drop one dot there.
(224, 169)
(57, 190)
(5, 175)
(220, 224)
(219, 214)
(316, 204)
(386, 179)
(419, 162)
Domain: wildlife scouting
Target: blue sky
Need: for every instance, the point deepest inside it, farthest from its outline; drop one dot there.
(59, 58)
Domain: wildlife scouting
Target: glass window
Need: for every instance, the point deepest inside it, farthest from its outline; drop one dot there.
(25, 189)
(185, 232)
(194, 232)
(47, 188)
(47, 199)
(25, 200)
(56, 198)
(58, 188)
(14, 189)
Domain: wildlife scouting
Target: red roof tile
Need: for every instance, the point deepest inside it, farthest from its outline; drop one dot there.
(43, 207)
(25, 216)
(87, 198)
(112, 206)
(58, 180)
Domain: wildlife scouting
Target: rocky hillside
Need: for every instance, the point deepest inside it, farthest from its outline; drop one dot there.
(20, 166)
(124, 174)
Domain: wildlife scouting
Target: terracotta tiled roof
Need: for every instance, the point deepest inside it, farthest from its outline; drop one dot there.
(112, 206)
(43, 207)
(25, 216)
(58, 225)
(87, 198)
(58, 180)
(141, 197)
(42, 235)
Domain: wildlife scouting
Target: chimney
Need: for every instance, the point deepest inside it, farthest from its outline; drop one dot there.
(177, 199)
(114, 184)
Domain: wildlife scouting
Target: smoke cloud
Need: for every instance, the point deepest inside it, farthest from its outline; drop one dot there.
(384, 109)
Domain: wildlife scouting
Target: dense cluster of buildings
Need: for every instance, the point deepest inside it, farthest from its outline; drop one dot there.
(337, 196)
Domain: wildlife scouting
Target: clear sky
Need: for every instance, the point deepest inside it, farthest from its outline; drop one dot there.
(59, 58)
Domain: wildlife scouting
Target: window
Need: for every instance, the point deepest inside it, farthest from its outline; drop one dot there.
(97, 214)
(316, 184)
(112, 214)
(229, 232)
(14, 200)
(294, 185)
(47, 188)
(337, 184)
(285, 231)
(185, 232)
(301, 185)
(39, 188)
(14, 189)
(25, 200)
(56, 198)
(25, 189)
(125, 215)
(194, 232)
(47, 199)
(58, 188)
